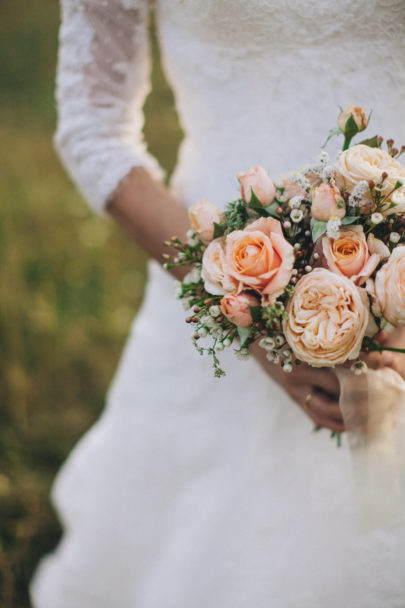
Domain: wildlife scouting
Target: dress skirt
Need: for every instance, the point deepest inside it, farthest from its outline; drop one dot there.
(198, 492)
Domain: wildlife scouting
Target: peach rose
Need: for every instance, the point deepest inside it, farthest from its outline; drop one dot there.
(258, 180)
(202, 216)
(361, 162)
(291, 188)
(351, 255)
(214, 272)
(390, 287)
(236, 308)
(327, 202)
(359, 116)
(260, 258)
(328, 317)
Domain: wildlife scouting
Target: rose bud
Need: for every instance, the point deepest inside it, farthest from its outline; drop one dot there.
(202, 216)
(236, 308)
(352, 254)
(326, 203)
(258, 180)
(358, 114)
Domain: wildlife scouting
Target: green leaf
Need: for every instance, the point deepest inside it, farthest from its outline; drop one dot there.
(351, 128)
(244, 334)
(254, 203)
(332, 133)
(219, 230)
(371, 142)
(349, 219)
(256, 312)
(318, 228)
(271, 209)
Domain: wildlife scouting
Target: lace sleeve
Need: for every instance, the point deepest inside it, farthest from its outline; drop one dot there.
(102, 83)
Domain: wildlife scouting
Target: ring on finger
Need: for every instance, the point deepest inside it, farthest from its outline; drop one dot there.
(307, 401)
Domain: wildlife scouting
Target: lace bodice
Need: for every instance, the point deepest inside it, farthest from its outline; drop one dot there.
(255, 82)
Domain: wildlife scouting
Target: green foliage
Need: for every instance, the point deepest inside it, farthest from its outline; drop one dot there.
(256, 312)
(273, 315)
(235, 216)
(332, 133)
(219, 230)
(254, 202)
(70, 285)
(372, 142)
(262, 211)
(351, 128)
(237, 213)
(318, 228)
(349, 219)
(244, 334)
(272, 209)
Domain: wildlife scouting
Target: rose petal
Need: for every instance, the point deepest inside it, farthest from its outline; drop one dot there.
(267, 225)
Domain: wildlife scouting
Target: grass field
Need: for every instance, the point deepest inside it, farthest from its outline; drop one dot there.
(70, 285)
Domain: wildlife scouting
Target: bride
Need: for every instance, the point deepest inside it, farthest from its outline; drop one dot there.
(194, 492)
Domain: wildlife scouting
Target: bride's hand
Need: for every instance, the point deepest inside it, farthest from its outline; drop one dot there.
(316, 391)
(377, 360)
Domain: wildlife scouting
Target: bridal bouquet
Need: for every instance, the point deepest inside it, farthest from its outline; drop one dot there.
(311, 266)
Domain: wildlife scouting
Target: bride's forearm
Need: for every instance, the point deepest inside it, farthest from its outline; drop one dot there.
(149, 214)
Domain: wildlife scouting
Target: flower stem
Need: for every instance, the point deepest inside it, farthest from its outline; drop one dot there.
(375, 346)
(346, 142)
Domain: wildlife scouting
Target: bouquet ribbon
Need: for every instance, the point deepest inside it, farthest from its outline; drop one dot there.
(373, 408)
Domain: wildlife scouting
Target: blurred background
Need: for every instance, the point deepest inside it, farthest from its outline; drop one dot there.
(70, 286)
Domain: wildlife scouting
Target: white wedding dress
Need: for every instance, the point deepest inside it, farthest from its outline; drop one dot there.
(190, 491)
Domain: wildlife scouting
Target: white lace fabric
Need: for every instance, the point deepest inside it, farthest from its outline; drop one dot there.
(265, 73)
(103, 81)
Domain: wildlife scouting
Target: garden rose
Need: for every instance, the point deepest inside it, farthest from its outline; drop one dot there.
(258, 180)
(351, 255)
(359, 116)
(236, 308)
(214, 273)
(390, 287)
(202, 216)
(260, 258)
(326, 203)
(361, 162)
(328, 317)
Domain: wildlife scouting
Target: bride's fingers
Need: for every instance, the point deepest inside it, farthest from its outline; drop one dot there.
(325, 379)
(377, 360)
(325, 408)
(322, 410)
(374, 360)
(332, 425)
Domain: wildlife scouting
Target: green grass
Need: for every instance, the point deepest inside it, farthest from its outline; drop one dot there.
(70, 284)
